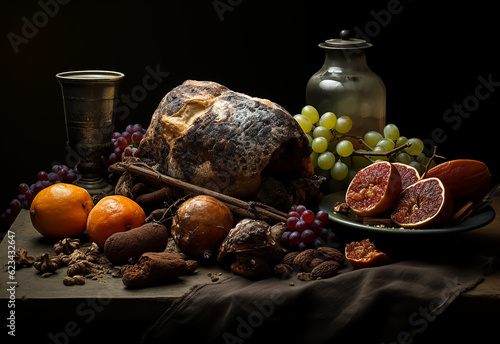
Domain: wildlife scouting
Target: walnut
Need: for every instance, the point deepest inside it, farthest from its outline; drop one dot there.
(326, 269)
(22, 259)
(303, 260)
(282, 271)
(66, 245)
(330, 253)
(82, 267)
(72, 258)
(341, 208)
(93, 254)
(305, 276)
(74, 280)
(46, 264)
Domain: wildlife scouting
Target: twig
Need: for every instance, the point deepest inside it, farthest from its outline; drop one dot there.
(434, 155)
(249, 207)
(372, 153)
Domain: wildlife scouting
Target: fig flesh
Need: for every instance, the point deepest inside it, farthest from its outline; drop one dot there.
(409, 174)
(374, 189)
(422, 204)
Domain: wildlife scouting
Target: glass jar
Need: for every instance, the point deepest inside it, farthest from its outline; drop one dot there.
(345, 85)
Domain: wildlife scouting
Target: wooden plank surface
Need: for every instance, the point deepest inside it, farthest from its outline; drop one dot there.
(32, 289)
(108, 301)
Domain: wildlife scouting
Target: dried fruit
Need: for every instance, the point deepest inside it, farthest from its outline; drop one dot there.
(61, 210)
(154, 268)
(122, 246)
(326, 269)
(364, 254)
(408, 174)
(200, 224)
(113, 214)
(466, 180)
(425, 203)
(192, 265)
(374, 189)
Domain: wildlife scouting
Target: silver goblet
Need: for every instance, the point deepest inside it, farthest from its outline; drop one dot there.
(89, 99)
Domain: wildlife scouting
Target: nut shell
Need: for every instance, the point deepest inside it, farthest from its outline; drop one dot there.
(303, 260)
(201, 224)
(330, 253)
(326, 269)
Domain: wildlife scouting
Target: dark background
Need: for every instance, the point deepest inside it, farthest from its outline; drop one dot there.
(430, 58)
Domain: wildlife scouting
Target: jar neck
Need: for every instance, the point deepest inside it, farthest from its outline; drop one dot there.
(346, 59)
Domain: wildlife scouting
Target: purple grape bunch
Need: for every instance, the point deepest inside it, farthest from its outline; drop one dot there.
(57, 174)
(125, 144)
(305, 229)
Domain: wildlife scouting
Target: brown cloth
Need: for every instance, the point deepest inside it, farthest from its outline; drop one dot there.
(385, 304)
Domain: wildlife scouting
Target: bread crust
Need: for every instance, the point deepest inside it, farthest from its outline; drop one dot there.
(208, 135)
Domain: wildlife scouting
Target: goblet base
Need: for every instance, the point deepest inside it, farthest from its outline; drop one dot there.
(95, 185)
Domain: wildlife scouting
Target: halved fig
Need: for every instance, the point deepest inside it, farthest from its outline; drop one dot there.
(363, 254)
(409, 174)
(374, 189)
(422, 204)
(466, 180)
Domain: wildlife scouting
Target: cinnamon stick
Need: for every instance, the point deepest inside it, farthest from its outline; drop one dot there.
(255, 208)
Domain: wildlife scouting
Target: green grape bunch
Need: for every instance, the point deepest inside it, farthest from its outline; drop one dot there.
(334, 155)
(326, 134)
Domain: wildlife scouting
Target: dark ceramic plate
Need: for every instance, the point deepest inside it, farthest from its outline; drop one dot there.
(478, 220)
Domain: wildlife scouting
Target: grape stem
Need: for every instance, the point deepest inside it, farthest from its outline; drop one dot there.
(370, 152)
(434, 155)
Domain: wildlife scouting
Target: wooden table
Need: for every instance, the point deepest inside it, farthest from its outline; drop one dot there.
(56, 313)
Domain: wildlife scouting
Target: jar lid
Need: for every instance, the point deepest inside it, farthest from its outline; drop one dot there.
(345, 42)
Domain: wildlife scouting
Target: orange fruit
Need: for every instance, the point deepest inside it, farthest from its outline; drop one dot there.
(60, 211)
(363, 254)
(113, 214)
